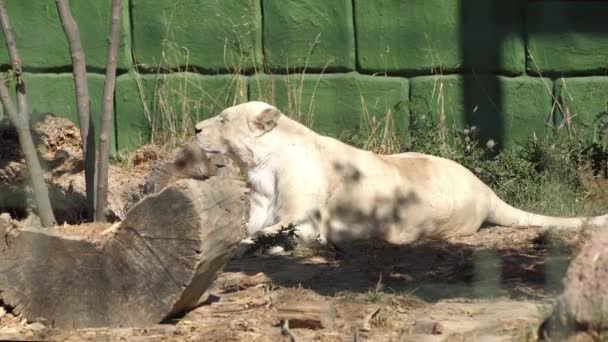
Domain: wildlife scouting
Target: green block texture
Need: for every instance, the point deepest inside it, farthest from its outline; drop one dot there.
(434, 36)
(567, 38)
(42, 43)
(212, 36)
(311, 34)
(335, 104)
(166, 100)
(585, 100)
(506, 110)
(55, 93)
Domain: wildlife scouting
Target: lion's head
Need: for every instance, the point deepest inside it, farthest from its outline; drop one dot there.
(234, 131)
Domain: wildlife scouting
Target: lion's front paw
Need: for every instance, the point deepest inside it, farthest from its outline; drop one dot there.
(276, 250)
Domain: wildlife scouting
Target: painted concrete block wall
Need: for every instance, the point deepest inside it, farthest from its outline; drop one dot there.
(504, 109)
(568, 38)
(312, 34)
(211, 36)
(335, 104)
(585, 101)
(486, 59)
(42, 43)
(433, 36)
(144, 100)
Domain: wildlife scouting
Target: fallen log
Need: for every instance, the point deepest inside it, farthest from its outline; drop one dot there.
(151, 266)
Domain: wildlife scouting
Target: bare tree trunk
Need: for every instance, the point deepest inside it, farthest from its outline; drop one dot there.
(21, 121)
(87, 129)
(106, 113)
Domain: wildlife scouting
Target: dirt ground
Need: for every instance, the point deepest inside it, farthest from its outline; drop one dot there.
(497, 285)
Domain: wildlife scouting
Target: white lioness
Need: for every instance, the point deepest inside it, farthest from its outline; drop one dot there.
(337, 192)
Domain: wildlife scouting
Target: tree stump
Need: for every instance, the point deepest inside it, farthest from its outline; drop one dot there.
(154, 264)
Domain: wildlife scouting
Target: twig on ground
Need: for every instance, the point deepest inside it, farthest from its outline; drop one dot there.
(366, 326)
(285, 331)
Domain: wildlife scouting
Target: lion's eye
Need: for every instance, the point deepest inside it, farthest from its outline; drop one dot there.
(222, 121)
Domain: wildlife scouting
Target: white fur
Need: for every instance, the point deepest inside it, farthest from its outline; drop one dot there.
(339, 192)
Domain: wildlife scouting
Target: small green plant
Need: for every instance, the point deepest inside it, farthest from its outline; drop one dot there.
(376, 295)
(285, 237)
(377, 132)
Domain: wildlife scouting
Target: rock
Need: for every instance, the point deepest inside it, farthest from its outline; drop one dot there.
(583, 306)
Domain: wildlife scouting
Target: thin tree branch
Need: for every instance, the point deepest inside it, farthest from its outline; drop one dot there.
(20, 120)
(9, 106)
(106, 113)
(16, 64)
(79, 70)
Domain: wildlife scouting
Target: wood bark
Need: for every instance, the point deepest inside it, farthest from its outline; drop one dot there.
(13, 53)
(153, 265)
(81, 86)
(20, 119)
(106, 112)
(188, 161)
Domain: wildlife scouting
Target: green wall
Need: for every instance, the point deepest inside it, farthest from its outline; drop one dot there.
(512, 68)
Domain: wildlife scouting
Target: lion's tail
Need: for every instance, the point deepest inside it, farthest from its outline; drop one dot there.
(502, 214)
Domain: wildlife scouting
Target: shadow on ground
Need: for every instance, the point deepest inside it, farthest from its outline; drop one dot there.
(496, 262)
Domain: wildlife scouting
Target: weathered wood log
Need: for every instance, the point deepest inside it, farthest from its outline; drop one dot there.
(307, 314)
(188, 161)
(154, 264)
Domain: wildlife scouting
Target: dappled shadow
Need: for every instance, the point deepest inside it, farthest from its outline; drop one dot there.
(358, 211)
(430, 269)
(395, 201)
(68, 205)
(481, 37)
(9, 151)
(382, 240)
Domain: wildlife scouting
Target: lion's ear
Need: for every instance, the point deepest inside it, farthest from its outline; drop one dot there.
(267, 119)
